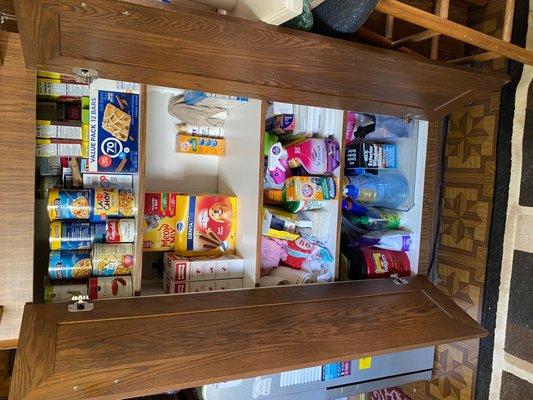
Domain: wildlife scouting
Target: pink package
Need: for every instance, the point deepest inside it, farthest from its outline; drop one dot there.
(350, 126)
(317, 156)
(280, 174)
(272, 252)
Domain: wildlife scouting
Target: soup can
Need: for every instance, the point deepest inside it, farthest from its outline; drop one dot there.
(69, 204)
(117, 203)
(69, 264)
(110, 287)
(120, 230)
(64, 293)
(113, 259)
(67, 235)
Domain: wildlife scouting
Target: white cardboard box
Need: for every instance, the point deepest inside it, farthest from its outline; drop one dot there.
(170, 286)
(190, 269)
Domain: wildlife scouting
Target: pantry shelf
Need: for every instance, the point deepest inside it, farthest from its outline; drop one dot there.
(139, 185)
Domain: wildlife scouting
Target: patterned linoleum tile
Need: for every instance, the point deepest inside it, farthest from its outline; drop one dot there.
(466, 207)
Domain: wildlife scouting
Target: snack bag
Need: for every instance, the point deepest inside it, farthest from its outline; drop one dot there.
(206, 224)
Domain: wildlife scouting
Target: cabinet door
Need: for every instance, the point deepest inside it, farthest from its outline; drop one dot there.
(148, 345)
(17, 180)
(165, 44)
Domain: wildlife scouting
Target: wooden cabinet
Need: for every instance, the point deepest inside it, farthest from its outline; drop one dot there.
(145, 345)
(168, 45)
(148, 345)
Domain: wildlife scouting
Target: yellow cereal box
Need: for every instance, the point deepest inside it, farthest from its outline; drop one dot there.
(206, 224)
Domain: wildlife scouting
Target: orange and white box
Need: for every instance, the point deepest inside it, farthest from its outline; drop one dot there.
(202, 268)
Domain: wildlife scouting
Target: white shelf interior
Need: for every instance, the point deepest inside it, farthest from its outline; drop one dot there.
(412, 218)
(237, 173)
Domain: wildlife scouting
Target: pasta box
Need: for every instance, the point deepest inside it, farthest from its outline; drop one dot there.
(113, 132)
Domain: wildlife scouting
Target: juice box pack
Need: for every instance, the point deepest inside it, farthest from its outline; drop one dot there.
(114, 131)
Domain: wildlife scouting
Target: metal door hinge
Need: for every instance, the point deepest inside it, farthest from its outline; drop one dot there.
(399, 280)
(4, 17)
(85, 75)
(409, 117)
(80, 303)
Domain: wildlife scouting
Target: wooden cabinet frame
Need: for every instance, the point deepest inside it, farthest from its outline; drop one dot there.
(147, 345)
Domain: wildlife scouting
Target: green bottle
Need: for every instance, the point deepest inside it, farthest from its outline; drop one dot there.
(376, 219)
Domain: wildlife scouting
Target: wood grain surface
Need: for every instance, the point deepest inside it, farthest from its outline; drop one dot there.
(6, 6)
(432, 195)
(138, 346)
(137, 274)
(182, 47)
(17, 181)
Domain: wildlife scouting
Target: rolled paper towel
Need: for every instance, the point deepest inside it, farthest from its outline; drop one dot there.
(273, 281)
(294, 276)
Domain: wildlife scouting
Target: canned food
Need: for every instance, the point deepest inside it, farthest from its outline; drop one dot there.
(110, 287)
(69, 204)
(113, 203)
(69, 264)
(64, 293)
(99, 232)
(70, 235)
(113, 259)
(120, 230)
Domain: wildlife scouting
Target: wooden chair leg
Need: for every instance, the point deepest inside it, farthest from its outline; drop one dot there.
(454, 30)
(506, 37)
(389, 27)
(442, 7)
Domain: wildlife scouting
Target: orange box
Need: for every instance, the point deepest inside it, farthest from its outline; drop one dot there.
(200, 145)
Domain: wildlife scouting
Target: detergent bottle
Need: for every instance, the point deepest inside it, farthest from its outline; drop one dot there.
(317, 156)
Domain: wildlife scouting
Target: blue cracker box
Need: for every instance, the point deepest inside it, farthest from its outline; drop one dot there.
(114, 132)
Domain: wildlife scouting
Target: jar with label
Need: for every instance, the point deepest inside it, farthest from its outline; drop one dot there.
(371, 262)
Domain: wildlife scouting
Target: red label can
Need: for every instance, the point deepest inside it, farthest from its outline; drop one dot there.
(110, 287)
(120, 231)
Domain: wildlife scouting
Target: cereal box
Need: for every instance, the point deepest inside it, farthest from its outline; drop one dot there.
(61, 130)
(61, 148)
(203, 268)
(114, 131)
(159, 221)
(206, 224)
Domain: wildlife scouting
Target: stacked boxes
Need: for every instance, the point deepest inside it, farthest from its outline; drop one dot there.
(201, 274)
